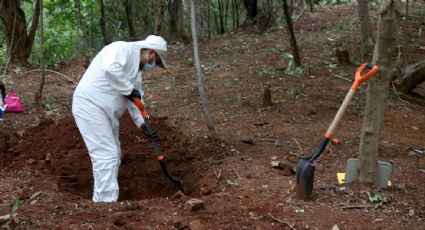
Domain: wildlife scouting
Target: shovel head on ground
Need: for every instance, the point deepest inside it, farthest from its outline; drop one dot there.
(305, 179)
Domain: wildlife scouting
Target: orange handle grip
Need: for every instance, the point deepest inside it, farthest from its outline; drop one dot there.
(141, 107)
(359, 79)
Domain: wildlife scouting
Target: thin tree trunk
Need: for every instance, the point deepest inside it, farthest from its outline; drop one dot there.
(221, 16)
(159, 13)
(234, 14)
(292, 38)
(209, 20)
(207, 115)
(177, 31)
(79, 26)
(131, 31)
(19, 42)
(33, 29)
(102, 24)
(216, 19)
(310, 3)
(39, 94)
(365, 25)
(226, 11)
(377, 91)
(251, 11)
(237, 13)
(406, 14)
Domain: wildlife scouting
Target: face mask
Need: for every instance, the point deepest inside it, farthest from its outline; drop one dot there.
(149, 67)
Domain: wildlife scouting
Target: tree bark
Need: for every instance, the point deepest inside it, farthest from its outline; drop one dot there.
(267, 14)
(19, 42)
(310, 3)
(160, 7)
(251, 11)
(377, 91)
(39, 94)
(102, 24)
(79, 26)
(365, 25)
(412, 76)
(221, 16)
(177, 31)
(204, 98)
(209, 19)
(131, 31)
(292, 38)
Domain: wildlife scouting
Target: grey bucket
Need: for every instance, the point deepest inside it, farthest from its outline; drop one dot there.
(352, 169)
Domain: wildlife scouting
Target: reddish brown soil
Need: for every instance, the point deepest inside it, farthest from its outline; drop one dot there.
(140, 176)
(246, 192)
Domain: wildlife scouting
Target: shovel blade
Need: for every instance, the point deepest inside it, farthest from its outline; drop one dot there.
(305, 179)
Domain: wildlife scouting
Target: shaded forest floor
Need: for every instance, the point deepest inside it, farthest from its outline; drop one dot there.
(44, 162)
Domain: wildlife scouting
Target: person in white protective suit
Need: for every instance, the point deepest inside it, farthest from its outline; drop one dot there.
(102, 96)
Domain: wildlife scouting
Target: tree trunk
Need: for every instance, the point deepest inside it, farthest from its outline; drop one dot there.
(292, 38)
(310, 3)
(79, 27)
(365, 25)
(412, 76)
(102, 24)
(221, 16)
(177, 31)
(267, 14)
(237, 13)
(19, 42)
(377, 91)
(131, 31)
(251, 11)
(39, 94)
(209, 20)
(160, 7)
(406, 14)
(207, 115)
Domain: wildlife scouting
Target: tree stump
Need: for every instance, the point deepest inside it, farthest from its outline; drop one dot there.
(343, 56)
(267, 95)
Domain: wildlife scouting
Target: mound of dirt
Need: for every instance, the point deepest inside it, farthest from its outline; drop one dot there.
(59, 148)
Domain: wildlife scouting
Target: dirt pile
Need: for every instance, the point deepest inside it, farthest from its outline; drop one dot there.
(58, 148)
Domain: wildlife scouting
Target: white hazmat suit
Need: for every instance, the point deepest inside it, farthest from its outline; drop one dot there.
(99, 101)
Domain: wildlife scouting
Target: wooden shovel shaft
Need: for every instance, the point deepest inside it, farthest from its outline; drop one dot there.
(340, 113)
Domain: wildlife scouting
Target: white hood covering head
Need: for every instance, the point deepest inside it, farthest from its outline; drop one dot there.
(157, 43)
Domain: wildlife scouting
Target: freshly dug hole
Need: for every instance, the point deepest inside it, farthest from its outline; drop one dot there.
(140, 175)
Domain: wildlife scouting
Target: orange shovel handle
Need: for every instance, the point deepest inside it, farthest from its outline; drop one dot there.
(141, 107)
(359, 78)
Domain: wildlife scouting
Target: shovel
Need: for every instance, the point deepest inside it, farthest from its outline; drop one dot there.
(305, 169)
(156, 148)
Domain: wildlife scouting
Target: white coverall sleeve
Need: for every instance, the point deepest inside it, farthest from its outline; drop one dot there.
(132, 109)
(114, 68)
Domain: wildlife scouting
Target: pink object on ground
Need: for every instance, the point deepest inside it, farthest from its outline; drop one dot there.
(13, 103)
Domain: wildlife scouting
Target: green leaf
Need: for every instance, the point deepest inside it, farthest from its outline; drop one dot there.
(374, 197)
(232, 183)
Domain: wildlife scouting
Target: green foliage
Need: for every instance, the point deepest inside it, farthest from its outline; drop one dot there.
(16, 205)
(374, 197)
(291, 69)
(190, 61)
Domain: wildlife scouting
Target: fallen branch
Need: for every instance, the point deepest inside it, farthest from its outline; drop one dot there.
(280, 221)
(299, 146)
(218, 175)
(356, 207)
(237, 174)
(4, 218)
(51, 71)
(343, 78)
(397, 94)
